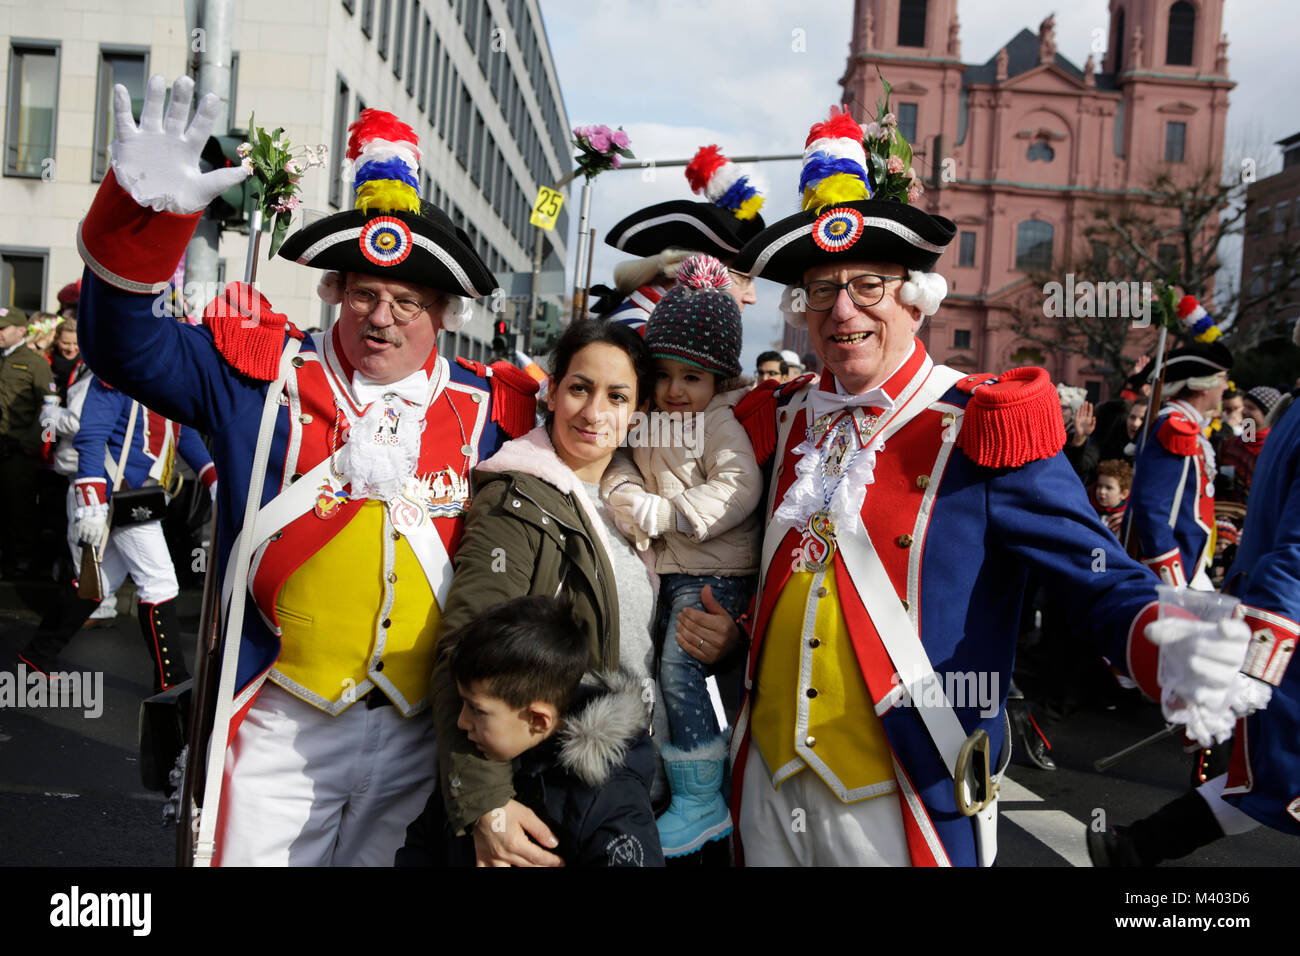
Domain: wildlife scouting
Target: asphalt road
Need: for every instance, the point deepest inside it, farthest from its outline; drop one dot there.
(70, 792)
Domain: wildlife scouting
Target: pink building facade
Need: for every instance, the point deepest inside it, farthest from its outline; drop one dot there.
(1016, 151)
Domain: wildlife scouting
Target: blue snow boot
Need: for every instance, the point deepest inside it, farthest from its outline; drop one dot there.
(697, 813)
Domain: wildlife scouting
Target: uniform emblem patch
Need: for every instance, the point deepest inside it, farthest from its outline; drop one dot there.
(1293, 808)
(385, 240)
(837, 229)
(625, 850)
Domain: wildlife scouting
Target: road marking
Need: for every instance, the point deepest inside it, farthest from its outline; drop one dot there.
(1011, 792)
(1055, 829)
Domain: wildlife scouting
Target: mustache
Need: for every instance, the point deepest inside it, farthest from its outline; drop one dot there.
(385, 333)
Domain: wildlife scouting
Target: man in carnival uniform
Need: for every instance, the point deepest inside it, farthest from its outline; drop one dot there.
(104, 418)
(331, 746)
(668, 233)
(906, 504)
(1172, 501)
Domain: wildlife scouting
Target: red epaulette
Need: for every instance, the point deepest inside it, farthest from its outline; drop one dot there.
(1011, 419)
(1179, 435)
(514, 398)
(248, 333)
(756, 413)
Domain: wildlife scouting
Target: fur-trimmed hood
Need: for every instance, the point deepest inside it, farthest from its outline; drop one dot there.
(610, 718)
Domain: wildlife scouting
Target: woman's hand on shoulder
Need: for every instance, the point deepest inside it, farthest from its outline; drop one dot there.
(505, 837)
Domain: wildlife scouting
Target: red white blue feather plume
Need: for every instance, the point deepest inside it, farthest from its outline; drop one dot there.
(724, 183)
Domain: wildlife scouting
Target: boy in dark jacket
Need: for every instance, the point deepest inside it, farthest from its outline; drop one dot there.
(581, 753)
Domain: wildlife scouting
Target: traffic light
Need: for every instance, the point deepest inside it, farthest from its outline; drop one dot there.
(502, 339)
(231, 207)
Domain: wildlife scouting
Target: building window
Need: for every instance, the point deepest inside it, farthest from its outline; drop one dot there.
(32, 107)
(399, 32)
(385, 17)
(911, 23)
(463, 129)
(424, 64)
(1261, 221)
(368, 17)
(907, 121)
(22, 278)
(1100, 255)
(1175, 137)
(1182, 34)
(961, 338)
(130, 68)
(1033, 245)
(339, 146)
(966, 253)
(349, 6)
(476, 149)
(413, 50)
(1280, 214)
(1167, 256)
(1040, 152)
(1257, 280)
(485, 41)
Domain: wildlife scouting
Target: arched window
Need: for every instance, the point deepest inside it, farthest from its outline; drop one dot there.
(1033, 245)
(1182, 33)
(1040, 151)
(911, 22)
(1118, 43)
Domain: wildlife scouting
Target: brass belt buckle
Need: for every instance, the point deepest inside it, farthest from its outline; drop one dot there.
(973, 782)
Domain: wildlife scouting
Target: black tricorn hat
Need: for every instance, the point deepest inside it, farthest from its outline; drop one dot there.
(867, 230)
(425, 248)
(683, 224)
(1197, 360)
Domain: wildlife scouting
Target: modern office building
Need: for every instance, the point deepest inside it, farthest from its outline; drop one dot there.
(474, 78)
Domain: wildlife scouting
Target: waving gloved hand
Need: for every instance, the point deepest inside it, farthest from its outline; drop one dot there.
(626, 503)
(1202, 687)
(158, 162)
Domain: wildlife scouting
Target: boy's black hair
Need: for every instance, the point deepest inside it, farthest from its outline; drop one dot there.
(765, 357)
(523, 650)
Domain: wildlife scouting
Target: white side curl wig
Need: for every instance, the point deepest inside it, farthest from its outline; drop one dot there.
(925, 290)
(455, 313)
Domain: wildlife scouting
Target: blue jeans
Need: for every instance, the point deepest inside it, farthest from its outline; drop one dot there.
(691, 720)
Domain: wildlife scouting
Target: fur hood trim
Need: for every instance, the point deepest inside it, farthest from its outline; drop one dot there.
(533, 454)
(594, 741)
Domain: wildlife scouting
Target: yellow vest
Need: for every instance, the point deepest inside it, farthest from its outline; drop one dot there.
(835, 731)
(344, 622)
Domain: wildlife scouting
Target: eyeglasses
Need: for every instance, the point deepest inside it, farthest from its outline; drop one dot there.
(741, 280)
(865, 291)
(363, 302)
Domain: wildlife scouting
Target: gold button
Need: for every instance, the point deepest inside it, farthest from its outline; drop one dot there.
(947, 419)
(392, 577)
(903, 540)
(923, 481)
(297, 361)
(397, 536)
(810, 740)
(387, 622)
(305, 419)
(811, 691)
(822, 592)
(814, 642)
(277, 536)
(906, 606)
(477, 397)
(294, 478)
(780, 468)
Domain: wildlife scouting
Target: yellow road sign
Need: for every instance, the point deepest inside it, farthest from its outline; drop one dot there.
(546, 208)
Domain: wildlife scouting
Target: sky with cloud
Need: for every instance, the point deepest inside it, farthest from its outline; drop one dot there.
(752, 75)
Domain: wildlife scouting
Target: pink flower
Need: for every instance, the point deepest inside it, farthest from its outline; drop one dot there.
(889, 119)
(598, 138)
(615, 160)
(292, 168)
(247, 164)
(619, 139)
(871, 131)
(914, 194)
(895, 165)
(243, 149)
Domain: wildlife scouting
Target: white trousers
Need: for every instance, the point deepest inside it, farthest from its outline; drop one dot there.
(805, 824)
(138, 550)
(303, 788)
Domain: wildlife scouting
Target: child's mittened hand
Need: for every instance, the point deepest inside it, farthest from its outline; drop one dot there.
(653, 514)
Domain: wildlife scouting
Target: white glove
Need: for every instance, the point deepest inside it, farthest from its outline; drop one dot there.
(623, 502)
(51, 415)
(158, 163)
(90, 523)
(1202, 687)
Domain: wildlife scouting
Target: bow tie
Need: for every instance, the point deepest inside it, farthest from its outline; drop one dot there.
(832, 403)
(413, 389)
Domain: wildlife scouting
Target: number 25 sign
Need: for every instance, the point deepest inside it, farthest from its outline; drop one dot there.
(546, 208)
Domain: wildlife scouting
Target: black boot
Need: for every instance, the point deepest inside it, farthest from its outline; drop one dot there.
(161, 628)
(1173, 831)
(56, 629)
(1032, 739)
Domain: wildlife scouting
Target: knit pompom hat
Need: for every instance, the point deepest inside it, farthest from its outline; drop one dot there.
(697, 321)
(1265, 397)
